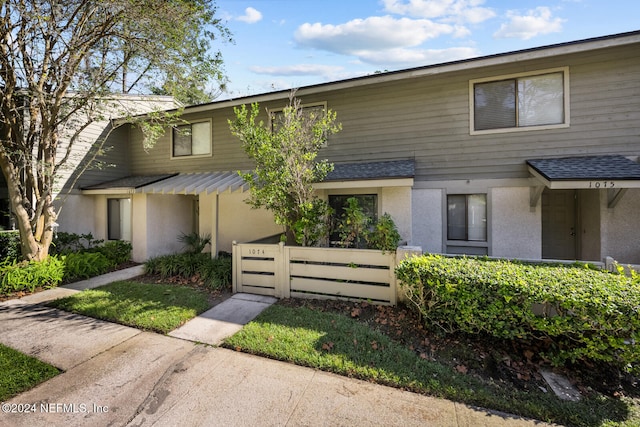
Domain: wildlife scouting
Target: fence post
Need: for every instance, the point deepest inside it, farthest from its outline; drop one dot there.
(402, 253)
(235, 265)
(286, 270)
(280, 272)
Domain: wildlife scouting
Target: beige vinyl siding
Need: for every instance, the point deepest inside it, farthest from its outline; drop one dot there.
(427, 118)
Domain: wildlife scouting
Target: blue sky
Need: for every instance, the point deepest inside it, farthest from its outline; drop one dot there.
(283, 44)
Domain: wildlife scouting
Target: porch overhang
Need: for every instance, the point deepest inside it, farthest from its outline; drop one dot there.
(392, 173)
(197, 183)
(126, 185)
(182, 183)
(614, 173)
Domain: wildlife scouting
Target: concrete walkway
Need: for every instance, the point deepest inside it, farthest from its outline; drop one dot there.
(120, 376)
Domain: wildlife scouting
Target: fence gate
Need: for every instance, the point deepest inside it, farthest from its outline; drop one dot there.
(257, 268)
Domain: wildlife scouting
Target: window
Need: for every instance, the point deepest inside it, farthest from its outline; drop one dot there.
(119, 219)
(368, 203)
(521, 101)
(192, 139)
(467, 217)
(310, 113)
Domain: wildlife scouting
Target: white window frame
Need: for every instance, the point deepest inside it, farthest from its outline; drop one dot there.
(566, 103)
(191, 156)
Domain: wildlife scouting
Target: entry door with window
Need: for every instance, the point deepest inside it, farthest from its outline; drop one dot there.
(119, 219)
(559, 213)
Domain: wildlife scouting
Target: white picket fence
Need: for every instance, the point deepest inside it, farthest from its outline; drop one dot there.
(307, 272)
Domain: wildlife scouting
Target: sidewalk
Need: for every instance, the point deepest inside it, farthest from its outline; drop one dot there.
(116, 375)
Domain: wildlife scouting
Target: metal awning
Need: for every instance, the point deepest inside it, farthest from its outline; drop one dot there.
(184, 183)
(197, 183)
(615, 173)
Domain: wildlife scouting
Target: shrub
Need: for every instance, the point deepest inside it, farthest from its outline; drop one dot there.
(82, 265)
(358, 230)
(214, 273)
(10, 245)
(194, 243)
(217, 273)
(581, 313)
(117, 251)
(27, 276)
(384, 235)
(64, 243)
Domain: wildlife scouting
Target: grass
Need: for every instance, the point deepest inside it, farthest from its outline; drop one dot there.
(336, 343)
(21, 372)
(152, 307)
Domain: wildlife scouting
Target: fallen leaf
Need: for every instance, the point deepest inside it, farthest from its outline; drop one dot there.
(374, 345)
(461, 369)
(328, 346)
(423, 356)
(355, 312)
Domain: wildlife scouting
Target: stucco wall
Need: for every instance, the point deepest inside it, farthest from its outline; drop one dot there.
(78, 215)
(237, 221)
(396, 201)
(620, 231)
(168, 217)
(516, 230)
(427, 219)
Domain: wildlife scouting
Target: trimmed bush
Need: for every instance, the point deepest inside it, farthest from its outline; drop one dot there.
(116, 251)
(27, 276)
(83, 265)
(581, 313)
(215, 273)
(10, 245)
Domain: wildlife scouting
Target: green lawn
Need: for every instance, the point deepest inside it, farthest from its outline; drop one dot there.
(20, 372)
(336, 343)
(153, 307)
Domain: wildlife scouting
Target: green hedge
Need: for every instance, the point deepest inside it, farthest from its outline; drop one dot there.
(582, 313)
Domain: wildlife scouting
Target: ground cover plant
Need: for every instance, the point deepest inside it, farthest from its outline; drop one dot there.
(74, 257)
(21, 372)
(392, 346)
(190, 267)
(148, 306)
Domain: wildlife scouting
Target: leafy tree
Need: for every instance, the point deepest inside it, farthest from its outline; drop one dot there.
(59, 59)
(285, 152)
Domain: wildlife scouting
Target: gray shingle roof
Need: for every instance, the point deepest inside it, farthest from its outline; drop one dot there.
(587, 168)
(372, 170)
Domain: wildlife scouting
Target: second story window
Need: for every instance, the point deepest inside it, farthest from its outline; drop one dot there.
(310, 114)
(192, 139)
(520, 101)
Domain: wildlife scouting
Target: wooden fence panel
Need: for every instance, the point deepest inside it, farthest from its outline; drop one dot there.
(306, 272)
(256, 268)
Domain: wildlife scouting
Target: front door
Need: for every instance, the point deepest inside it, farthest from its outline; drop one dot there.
(559, 226)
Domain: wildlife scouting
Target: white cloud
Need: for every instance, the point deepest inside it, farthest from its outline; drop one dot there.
(251, 16)
(385, 41)
(401, 58)
(298, 70)
(446, 10)
(536, 22)
(374, 33)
